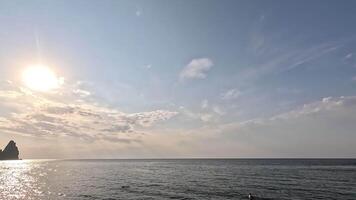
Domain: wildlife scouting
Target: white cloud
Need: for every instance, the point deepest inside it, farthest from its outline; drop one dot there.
(81, 92)
(231, 94)
(323, 128)
(68, 114)
(206, 117)
(218, 110)
(196, 69)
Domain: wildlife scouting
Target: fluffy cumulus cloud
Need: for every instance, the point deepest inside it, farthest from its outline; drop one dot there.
(196, 69)
(67, 113)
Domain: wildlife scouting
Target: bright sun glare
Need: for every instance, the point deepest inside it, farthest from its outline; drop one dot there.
(40, 78)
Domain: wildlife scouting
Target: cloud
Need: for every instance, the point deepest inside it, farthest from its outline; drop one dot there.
(206, 117)
(43, 115)
(204, 104)
(354, 78)
(323, 128)
(218, 110)
(147, 119)
(327, 104)
(81, 92)
(288, 59)
(271, 53)
(231, 94)
(196, 69)
(348, 56)
(138, 12)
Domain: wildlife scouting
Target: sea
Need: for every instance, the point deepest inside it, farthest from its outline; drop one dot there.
(178, 179)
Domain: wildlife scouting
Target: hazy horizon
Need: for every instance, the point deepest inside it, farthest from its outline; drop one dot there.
(178, 79)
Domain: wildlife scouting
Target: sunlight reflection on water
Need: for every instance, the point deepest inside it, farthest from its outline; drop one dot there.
(19, 179)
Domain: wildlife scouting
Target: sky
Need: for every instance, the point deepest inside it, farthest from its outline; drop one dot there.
(180, 79)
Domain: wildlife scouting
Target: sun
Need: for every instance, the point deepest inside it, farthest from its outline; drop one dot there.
(40, 78)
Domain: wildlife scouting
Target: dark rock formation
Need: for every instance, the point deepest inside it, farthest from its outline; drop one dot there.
(10, 152)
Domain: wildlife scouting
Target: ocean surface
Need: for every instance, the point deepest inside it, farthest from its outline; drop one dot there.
(178, 179)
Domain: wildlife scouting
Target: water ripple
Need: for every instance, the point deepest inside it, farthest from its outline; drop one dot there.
(177, 179)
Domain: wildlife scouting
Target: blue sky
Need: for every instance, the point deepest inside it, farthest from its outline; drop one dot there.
(229, 69)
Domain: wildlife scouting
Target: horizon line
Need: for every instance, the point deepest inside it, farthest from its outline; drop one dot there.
(202, 158)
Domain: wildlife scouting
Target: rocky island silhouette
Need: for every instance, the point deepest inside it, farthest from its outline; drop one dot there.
(11, 152)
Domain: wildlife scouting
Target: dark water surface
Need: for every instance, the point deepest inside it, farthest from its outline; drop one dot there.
(178, 179)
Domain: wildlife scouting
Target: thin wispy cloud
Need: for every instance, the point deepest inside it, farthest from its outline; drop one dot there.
(218, 110)
(138, 12)
(348, 56)
(270, 53)
(231, 94)
(288, 60)
(204, 104)
(284, 133)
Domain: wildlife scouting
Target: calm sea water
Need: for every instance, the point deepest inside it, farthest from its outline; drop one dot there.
(178, 179)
